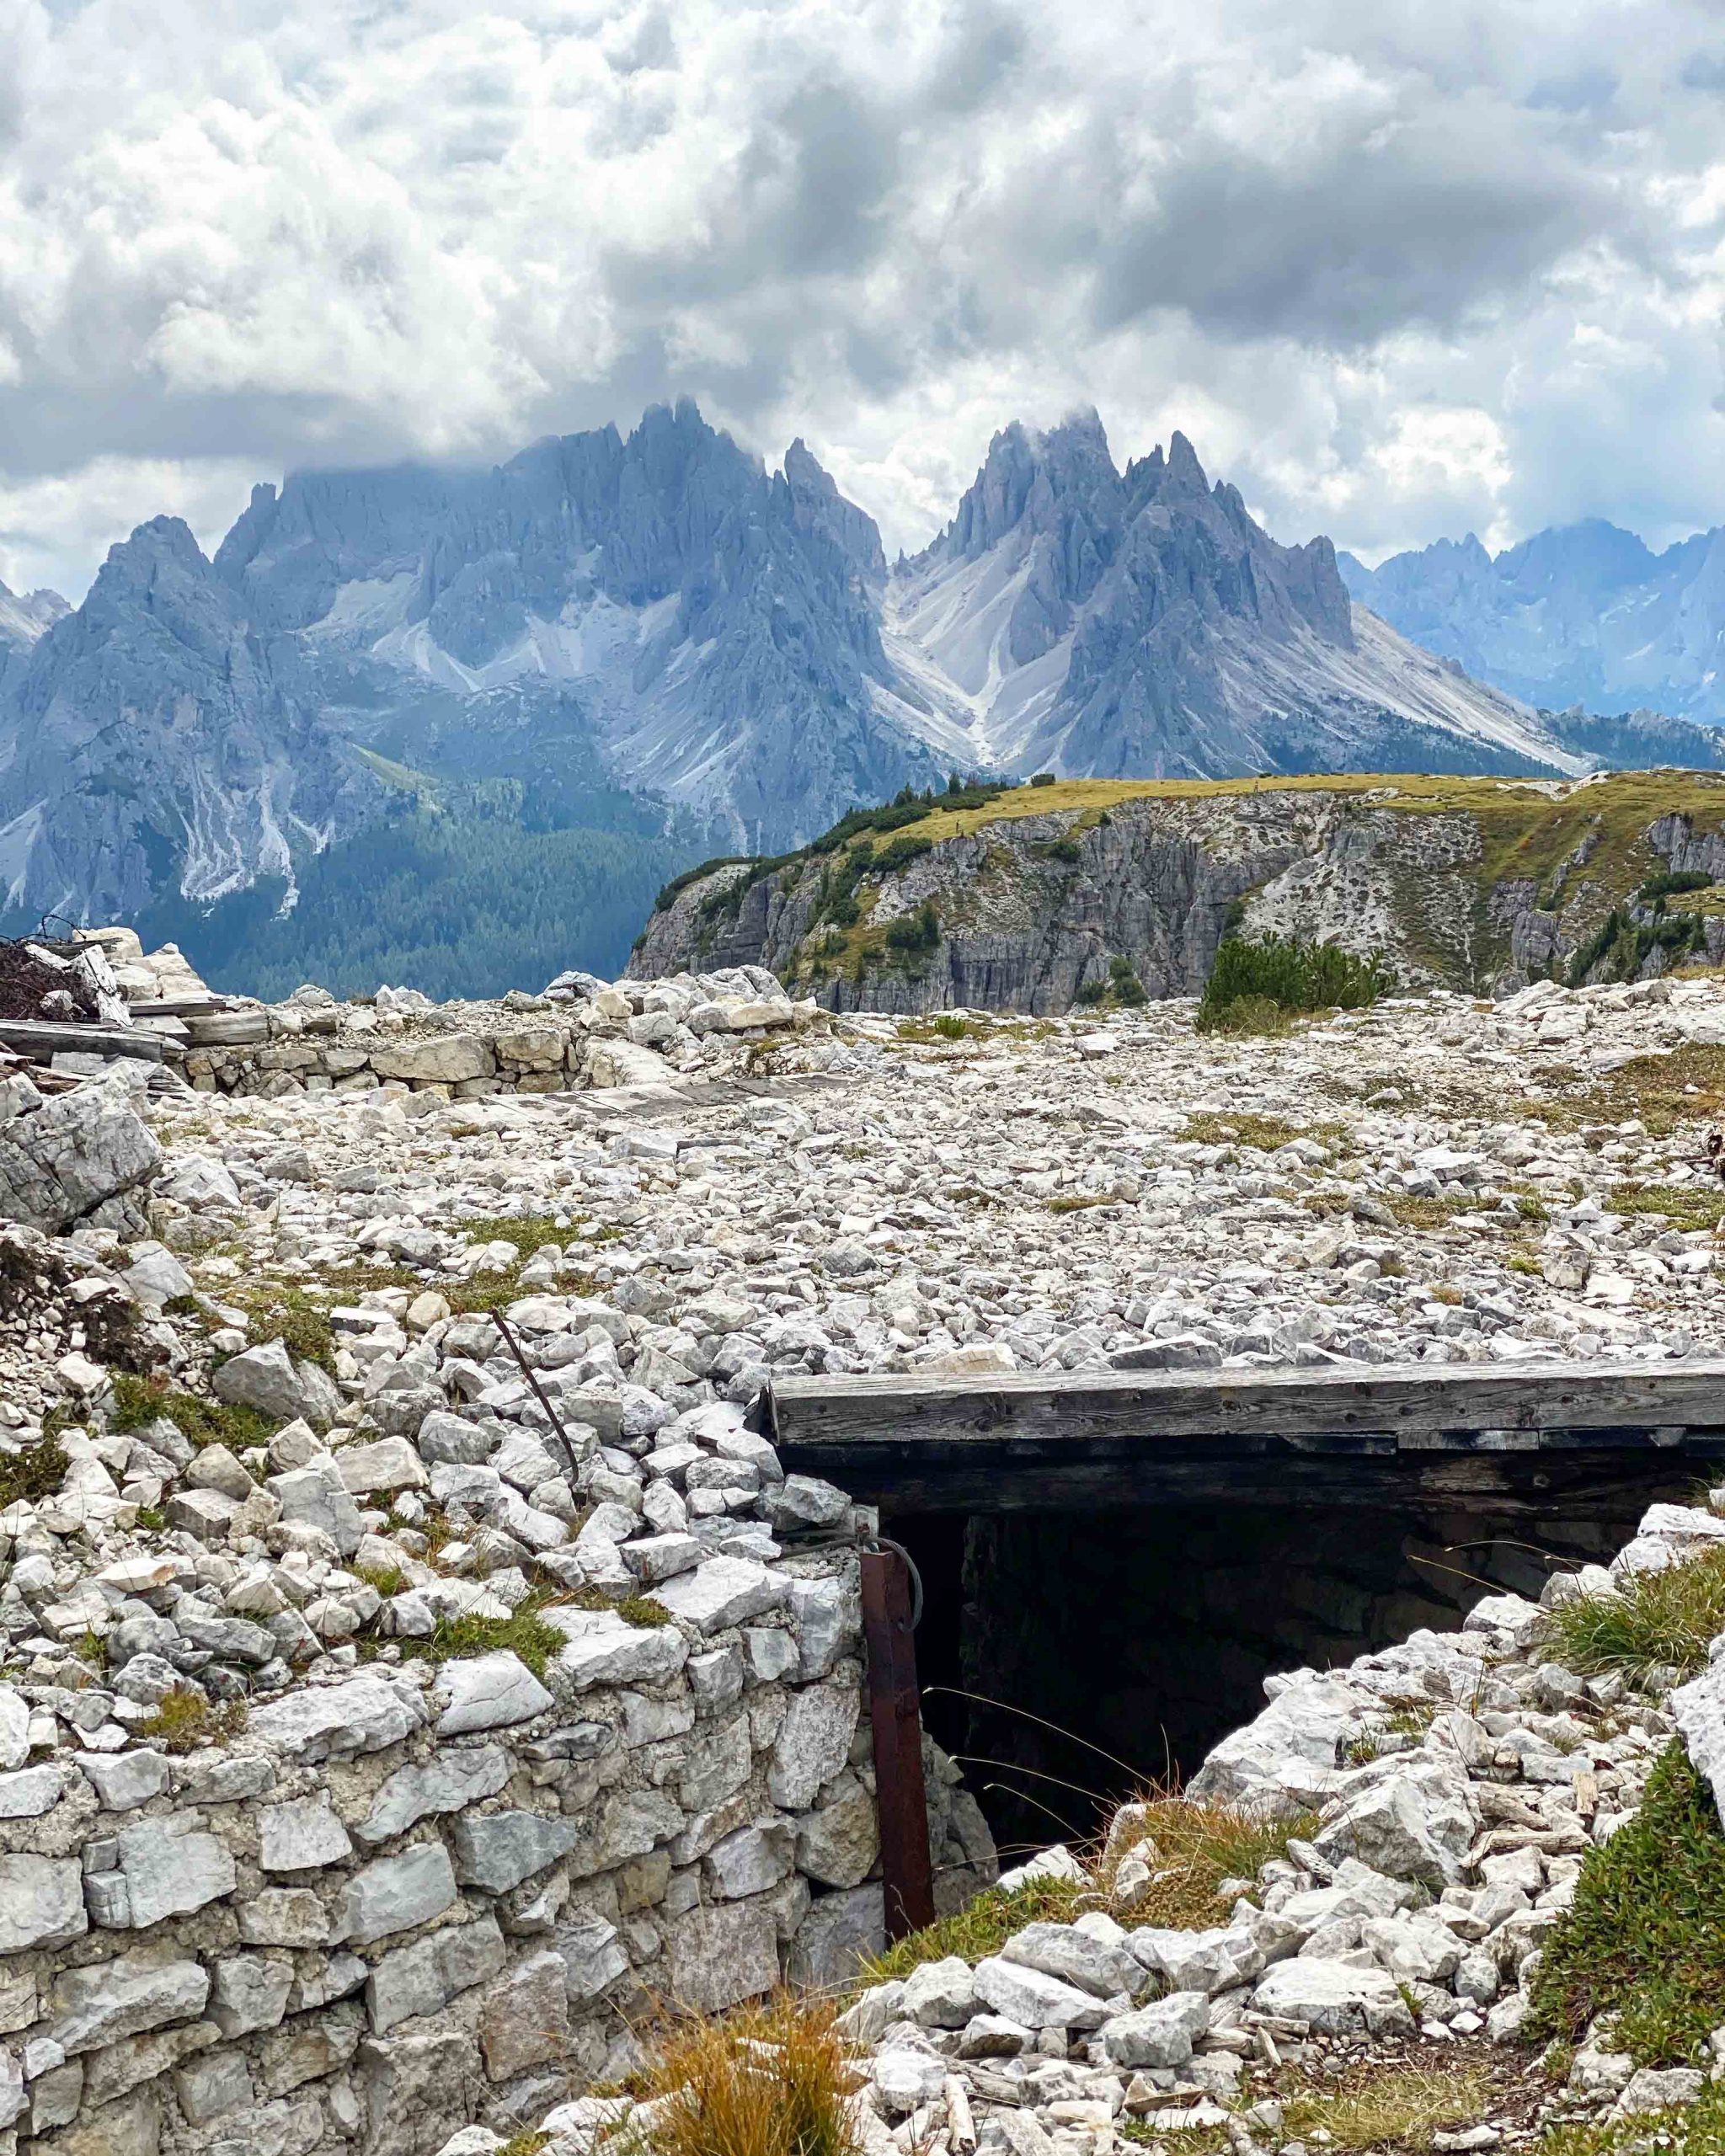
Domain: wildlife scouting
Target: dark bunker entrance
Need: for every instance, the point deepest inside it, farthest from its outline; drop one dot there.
(1071, 1656)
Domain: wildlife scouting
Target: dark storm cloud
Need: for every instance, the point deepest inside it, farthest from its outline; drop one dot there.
(1381, 255)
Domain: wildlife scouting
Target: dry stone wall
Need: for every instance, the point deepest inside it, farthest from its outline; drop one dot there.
(423, 1896)
(582, 1032)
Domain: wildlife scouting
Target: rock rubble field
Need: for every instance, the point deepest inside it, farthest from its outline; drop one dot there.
(384, 1724)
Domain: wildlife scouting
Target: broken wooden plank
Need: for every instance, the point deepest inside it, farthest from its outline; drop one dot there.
(42, 1037)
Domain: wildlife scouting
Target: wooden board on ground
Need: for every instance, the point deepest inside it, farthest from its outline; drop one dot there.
(41, 1038)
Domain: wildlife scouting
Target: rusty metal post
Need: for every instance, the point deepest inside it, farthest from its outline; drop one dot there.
(901, 1800)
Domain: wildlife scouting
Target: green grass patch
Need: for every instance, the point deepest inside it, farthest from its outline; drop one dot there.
(1653, 1620)
(32, 1472)
(185, 1719)
(983, 1928)
(1191, 1849)
(1685, 1205)
(525, 1632)
(1087, 1203)
(1697, 2130)
(1645, 1937)
(138, 1402)
(530, 1232)
(275, 1310)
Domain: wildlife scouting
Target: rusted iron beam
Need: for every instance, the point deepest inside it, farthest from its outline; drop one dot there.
(895, 1710)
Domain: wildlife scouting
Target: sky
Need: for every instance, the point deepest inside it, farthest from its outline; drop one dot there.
(1400, 270)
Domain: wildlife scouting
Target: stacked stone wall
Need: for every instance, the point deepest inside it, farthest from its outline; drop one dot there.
(426, 1896)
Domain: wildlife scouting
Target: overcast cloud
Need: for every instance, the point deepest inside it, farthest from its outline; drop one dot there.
(1399, 270)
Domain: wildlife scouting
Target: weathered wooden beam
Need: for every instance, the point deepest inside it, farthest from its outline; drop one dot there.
(895, 1712)
(1389, 1400)
(42, 1037)
(1526, 1487)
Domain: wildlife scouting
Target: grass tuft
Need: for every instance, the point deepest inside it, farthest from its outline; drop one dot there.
(524, 1633)
(1191, 1847)
(1653, 1619)
(984, 1927)
(1645, 1936)
(771, 2080)
(139, 1401)
(185, 1719)
(34, 1471)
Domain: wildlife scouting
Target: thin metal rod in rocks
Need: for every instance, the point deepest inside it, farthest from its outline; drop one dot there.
(514, 1347)
(900, 1799)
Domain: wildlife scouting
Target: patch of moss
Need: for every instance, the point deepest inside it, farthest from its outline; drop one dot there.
(1645, 1936)
(185, 1719)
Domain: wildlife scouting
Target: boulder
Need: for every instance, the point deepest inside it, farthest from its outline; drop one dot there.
(63, 1159)
(268, 1379)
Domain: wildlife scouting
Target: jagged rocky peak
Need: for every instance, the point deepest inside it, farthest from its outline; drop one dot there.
(819, 506)
(24, 616)
(1041, 479)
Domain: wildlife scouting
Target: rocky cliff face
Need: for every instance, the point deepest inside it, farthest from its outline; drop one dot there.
(158, 732)
(660, 613)
(1474, 884)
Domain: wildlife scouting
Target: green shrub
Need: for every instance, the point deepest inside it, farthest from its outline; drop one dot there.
(1673, 881)
(1066, 850)
(1089, 993)
(918, 930)
(1042, 778)
(1292, 975)
(1124, 983)
(899, 852)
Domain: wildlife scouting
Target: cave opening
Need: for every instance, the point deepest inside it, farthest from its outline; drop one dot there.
(1071, 1657)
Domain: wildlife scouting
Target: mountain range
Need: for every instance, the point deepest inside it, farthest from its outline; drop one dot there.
(633, 649)
(1584, 615)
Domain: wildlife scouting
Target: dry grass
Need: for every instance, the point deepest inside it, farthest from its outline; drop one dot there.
(1397, 2107)
(1266, 1134)
(771, 2080)
(1653, 1620)
(1655, 1089)
(1191, 1849)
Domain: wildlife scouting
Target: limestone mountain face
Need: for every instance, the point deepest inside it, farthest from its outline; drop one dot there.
(156, 732)
(1100, 624)
(658, 615)
(23, 618)
(1586, 615)
(1479, 885)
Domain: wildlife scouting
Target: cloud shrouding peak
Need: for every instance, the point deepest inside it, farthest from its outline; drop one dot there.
(1396, 270)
